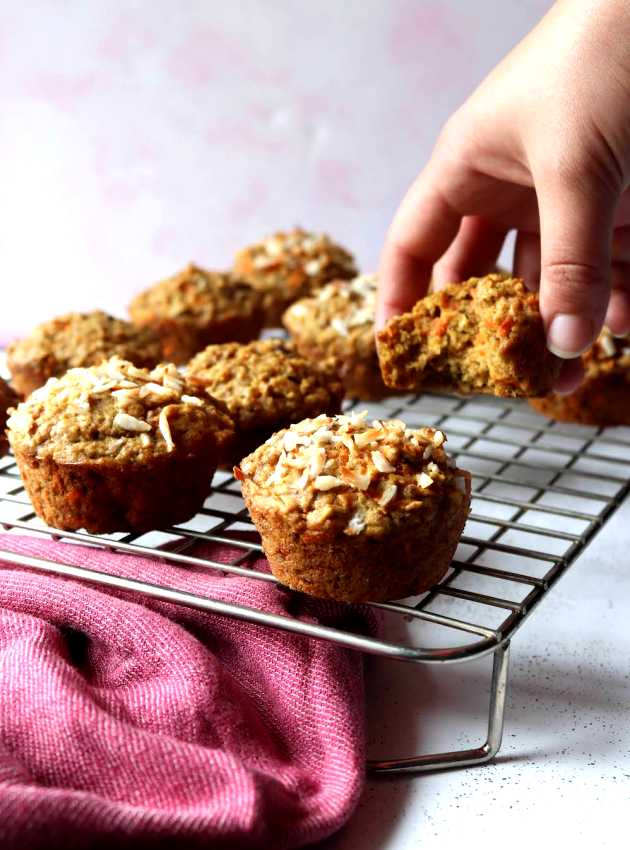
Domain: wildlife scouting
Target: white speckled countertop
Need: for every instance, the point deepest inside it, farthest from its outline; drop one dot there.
(562, 777)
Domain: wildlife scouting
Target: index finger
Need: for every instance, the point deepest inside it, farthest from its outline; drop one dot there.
(423, 228)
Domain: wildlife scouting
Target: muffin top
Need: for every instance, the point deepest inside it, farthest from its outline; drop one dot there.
(7, 399)
(265, 382)
(83, 339)
(607, 353)
(343, 474)
(196, 295)
(296, 260)
(116, 412)
(340, 312)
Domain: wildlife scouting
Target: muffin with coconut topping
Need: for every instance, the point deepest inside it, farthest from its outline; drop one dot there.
(604, 396)
(77, 339)
(265, 385)
(195, 308)
(290, 265)
(336, 324)
(7, 399)
(117, 448)
(356, 511)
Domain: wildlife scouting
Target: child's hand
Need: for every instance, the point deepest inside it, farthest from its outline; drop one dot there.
(542, 146)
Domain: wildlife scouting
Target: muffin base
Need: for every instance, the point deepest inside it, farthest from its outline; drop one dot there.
(601, 400)
(359, 568)
(105, 497)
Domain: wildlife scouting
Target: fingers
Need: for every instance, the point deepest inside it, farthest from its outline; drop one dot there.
(473, 253)
(571, 376)
(526, 264)
(618, 313)
(420, 233)
(576, 221)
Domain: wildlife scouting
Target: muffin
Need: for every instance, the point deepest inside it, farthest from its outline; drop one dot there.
(265, 385)
(604, 396)
(7, 399)
(196, 308)
(484, 335)
(356, 511)
(117, 448)
(77, 339)
(337, 324)
(290, 265)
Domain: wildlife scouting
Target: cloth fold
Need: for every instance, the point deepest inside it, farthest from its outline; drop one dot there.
(137, 723)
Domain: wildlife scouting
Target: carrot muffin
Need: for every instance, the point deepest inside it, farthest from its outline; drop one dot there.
(265, 385)
(290, 265)
(77, 339)
(337, 324)
(484, 335)
(7, 400)
(117, 448)
(356, 511)
(195, 308)
(604, 396)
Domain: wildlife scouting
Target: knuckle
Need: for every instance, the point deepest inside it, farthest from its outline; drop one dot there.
(578, 283)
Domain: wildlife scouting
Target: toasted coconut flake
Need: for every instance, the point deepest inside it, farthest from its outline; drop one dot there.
(424, 480)
(165, 429)
(339, 326)
(19, 421)
(173, 383)
(327, 482)
(192, 399)
(151, 388)
(101, 389)
(433, 469)
(302, 481)
(318, 458)
(318, 516)
(427, 454)
(145, 440)
(130, 423)
(357, 524)
(381, 463)
(292, 439)
(387, 495)
(357, 418)
(438, 438)
(361, 480)
(313, 267)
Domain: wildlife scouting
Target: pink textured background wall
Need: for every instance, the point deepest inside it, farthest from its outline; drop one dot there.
(135, 136)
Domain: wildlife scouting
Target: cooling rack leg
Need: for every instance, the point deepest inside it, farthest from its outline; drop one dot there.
(463, 758)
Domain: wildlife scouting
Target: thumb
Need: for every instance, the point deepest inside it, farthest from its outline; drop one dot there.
(576, 225)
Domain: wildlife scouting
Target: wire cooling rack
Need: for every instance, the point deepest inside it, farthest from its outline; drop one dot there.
(541, 490)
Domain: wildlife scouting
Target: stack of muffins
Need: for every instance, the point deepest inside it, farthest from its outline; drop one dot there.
(122, 424)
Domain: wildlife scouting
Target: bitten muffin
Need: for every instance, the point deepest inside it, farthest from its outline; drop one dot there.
(337, 325)
(290, 265)
(604, 396)
(265, 385)
(196, 308)
(117, 448)
(77, 339)
(484, 335)
(356, 511)
(7, 399)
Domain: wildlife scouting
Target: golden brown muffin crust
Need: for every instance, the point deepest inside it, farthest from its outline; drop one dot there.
(265, 383)
(292, 264)
(484, 335)
(115, 412)
(77, 339)
(195, 308)
(336, 325)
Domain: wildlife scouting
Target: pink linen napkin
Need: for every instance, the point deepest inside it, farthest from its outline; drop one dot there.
(136, 725)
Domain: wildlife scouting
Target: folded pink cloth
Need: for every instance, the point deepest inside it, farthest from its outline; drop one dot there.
(125, 724)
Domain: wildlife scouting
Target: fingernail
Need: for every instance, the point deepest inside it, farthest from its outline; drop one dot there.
(569, 335)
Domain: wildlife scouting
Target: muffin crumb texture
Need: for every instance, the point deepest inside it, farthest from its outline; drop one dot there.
(484, 335)
(336, 326)
(292, 264)
(353, 510)
(115, 447)
(603, 398)
(7, 399)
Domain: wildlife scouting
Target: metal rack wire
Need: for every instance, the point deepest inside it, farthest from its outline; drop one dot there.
(541, 490)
